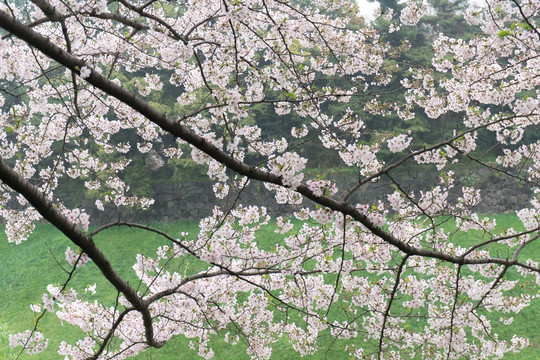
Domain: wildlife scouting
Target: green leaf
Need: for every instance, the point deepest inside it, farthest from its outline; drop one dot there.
(526, 26)
(290, 95)
(503, 33)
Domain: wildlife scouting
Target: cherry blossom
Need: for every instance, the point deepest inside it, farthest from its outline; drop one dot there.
(85, 72)
(399, 143)
(385, 277)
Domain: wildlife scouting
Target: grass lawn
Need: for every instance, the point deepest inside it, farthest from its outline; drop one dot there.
(27, 269)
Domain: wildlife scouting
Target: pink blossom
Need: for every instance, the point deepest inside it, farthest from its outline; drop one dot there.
(399, 143)
(85, 72)
(412, 13)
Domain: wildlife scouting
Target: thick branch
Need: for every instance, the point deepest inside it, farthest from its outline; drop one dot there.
(51, 213)
(47, 209)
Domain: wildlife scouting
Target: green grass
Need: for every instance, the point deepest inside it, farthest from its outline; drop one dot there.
(29, 267)
(26, 269)
(526, 321)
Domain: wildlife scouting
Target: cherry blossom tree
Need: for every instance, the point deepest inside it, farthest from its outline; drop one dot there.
(386, 277)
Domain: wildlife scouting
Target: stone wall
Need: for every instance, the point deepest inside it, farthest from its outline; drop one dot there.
(196, 200)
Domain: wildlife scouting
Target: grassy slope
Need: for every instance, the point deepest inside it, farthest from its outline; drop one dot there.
(26, 269)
